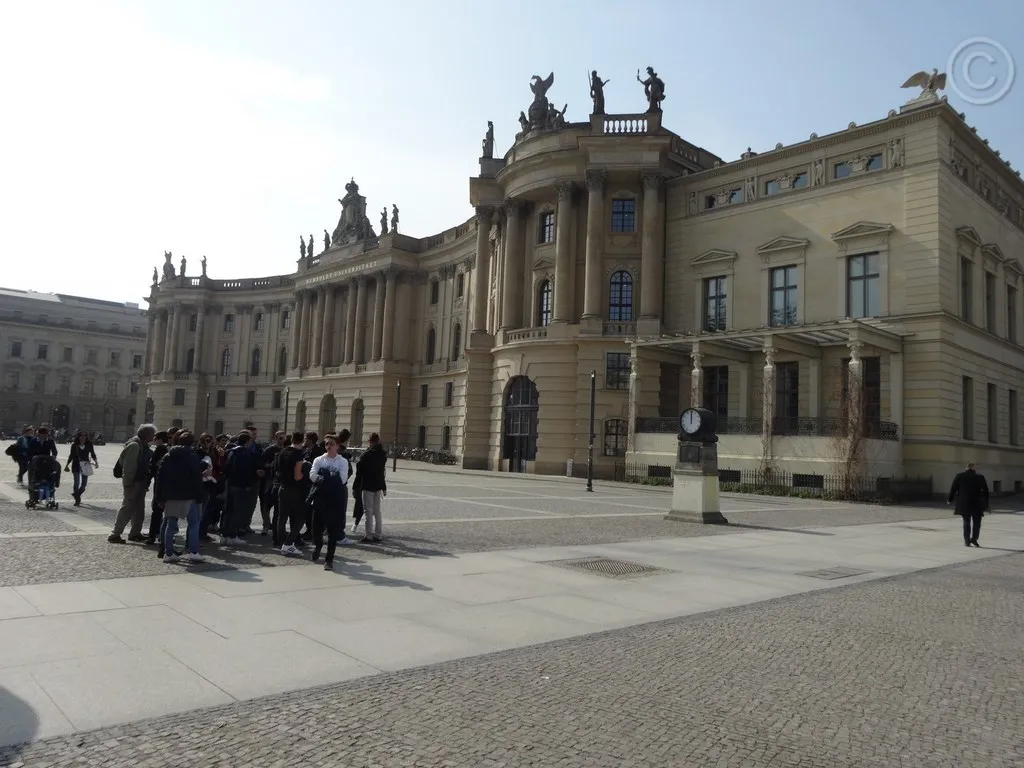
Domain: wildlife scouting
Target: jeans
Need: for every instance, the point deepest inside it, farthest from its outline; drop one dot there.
(325, 517)
(240, 508)
(133, 510)
(371, 509)
(291, 510)
(970, 520)
(79, 483)
(169, 529)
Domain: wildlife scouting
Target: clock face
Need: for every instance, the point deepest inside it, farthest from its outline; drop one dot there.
(690, 421)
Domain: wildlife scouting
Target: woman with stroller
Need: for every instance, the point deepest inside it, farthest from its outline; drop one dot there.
(81, 462)
(329, 474)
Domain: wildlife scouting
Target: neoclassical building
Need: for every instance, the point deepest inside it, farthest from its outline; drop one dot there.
(859, 284)
(70, 362)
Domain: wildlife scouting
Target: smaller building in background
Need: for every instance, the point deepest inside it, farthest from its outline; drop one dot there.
(70, 362)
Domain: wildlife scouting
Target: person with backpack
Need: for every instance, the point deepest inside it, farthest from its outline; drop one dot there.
(243, 482)
(133, 468)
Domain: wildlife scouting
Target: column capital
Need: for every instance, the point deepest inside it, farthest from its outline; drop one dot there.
(446, 271)
(596, 180)
(653, 181)
(515, 206)
(565, 191)
(469, 262)
(484, 213)
(244, 308)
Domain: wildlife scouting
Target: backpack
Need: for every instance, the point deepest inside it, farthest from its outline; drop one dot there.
(12, 450)
(119, 464)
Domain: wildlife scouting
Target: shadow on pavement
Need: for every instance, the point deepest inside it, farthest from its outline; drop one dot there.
(18, 726)
(783, 530)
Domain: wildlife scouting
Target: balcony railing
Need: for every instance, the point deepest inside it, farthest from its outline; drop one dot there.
(619, 329)
(795, 427)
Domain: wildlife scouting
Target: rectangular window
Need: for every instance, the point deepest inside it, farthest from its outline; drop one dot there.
(257, 321)
(716, 391)
(275, 427)
(992, 411)
(786, 183)
(460, 285)
(862, 286)
(435, 291)
(546, 228)
(787, 398)
(446, 438)
(1014, 424)
(967, 407)
(714, 304)
(89, 387)
(250, 398)
(449, 393)
(15, 349)
(179, 396)
(222, 399)
(39, 384)
(64, 385)
(112, 387)
(218, 427)
(616, 370)
(783, 296)
(13, 380)
(42, 351)
(90, 357)
(990, 302)
(616, 434)
(421, 436)
(275, 399)
(69, 354)
(115, 328)
(424, 395)
(229, 323)
(966, 285)
(1011, 314)
(286, 319)
(133, 387)
(115, 359)
(136, 362)
(193, 322)
(624, 215)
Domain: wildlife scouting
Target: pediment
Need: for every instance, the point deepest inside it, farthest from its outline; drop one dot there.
(970, 234)
(783, 243)
(993, 251)
(714, 256)
(862, 229)
(544, 262)
(1012, 265)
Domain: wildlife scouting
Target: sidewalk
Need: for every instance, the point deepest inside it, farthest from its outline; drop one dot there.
(92, 654)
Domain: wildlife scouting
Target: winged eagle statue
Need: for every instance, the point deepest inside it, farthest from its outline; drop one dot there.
(928, 83)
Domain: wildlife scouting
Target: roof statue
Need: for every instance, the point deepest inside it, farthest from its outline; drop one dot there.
(541, 115)
(353, 225)
(168, 266)
(930, 85)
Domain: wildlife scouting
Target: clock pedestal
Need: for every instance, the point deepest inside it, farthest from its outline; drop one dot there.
(695, 485)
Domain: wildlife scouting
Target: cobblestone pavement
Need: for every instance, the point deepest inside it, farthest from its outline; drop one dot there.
(14, 518)
(921, 671)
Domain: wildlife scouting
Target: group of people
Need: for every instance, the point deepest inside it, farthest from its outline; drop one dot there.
(35, 452)
(214, 484)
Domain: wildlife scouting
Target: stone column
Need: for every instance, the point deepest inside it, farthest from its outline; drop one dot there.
(768, 393)
(854, 388)
(481, 286)
(327, 328)
(390, 315)
(634, 398)
(563, 309)
(243, 324)
(156, 363)
(318, 326)
(197, 358)
(150, 344)
(359, 352)
(743, 388)
(378, 317)
(696, 377)
(512, 301)
(896, 392)
(595, 245)
(814, 388)
(300, 300)
(172, 347)
(350, 324)
(307, 311)
(651, 266)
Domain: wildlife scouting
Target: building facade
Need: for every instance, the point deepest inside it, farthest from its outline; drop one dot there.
(852, 299)
(70, 362)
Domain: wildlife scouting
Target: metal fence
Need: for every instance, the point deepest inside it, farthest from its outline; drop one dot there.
(804, 485)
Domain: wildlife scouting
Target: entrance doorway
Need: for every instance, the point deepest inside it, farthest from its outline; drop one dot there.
(519, 433)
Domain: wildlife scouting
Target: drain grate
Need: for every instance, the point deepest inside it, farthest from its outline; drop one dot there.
(828, 574)
(605, 566)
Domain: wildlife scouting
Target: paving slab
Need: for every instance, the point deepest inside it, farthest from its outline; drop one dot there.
(14, 606)
(67, 598)
(42, 639)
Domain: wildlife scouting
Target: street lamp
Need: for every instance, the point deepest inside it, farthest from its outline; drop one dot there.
(590, 448)
(287, 393)
(398, 413)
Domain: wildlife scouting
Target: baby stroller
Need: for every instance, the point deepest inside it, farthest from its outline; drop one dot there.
(43, 481)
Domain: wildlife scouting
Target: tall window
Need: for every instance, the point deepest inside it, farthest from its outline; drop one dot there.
(787, 398)
(783, 296)
(1011, 314)
(966, 283)
(546, 228)
(421, 436)
(862, 286)
(460, 285)
(275, 401)
(286, 319)
(431, 346)
(42, 351)
(616, 370)
(446, 438)
(190, 360)
(179, 397)
(1014, 423)
(990, 302)
(716, 391)
(225, 362)
(449, 393)
(282, 361)
(435, 291)
(616, 433)
(624, 215)
(193, 322)
(222, 401)
(424, 395)
(714, 304)
(229, 323)
(992, 411)
(257, 321)
(254, 361)
(967, 407)
(69, 354)
(456, 341)
(544, 303)
(871, 393)
(250, 398)
(620, 297)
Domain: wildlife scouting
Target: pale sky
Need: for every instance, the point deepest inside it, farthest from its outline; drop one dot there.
(230, 127)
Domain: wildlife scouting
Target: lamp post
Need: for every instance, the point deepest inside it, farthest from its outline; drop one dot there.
(590, 447)
(398, 413)
(206, 426)
(287, 393)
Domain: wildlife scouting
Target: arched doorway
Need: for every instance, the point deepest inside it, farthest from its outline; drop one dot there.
(150, 411)
(300, 416)
(519, 434)
(356, 423)
(61, 417)
(328, 415)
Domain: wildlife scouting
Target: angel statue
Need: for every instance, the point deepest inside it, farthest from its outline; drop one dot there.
(538, 111)
(654, 89)
(929, 84)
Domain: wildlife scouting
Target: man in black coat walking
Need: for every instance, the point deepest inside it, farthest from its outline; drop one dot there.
(970, 492)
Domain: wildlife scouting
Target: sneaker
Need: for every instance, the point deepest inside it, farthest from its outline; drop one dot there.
(116, 539)
(344, 541)
(290, 550)
(137, 538)
(235, 542)
(172, 558)
(196, 558)
(328, 566)
(376, 539)
(265, 532)
(366, 540)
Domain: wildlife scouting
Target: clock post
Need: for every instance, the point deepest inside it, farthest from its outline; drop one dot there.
(695, 476)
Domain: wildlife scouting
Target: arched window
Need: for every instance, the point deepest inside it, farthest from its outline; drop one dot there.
(431, 346)
(620, 297)
(190, 360)
(456, 341)
(616, 432)
(544, 303)
(254, 361)
(446, 438)
(282, 362)
(225, 362)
